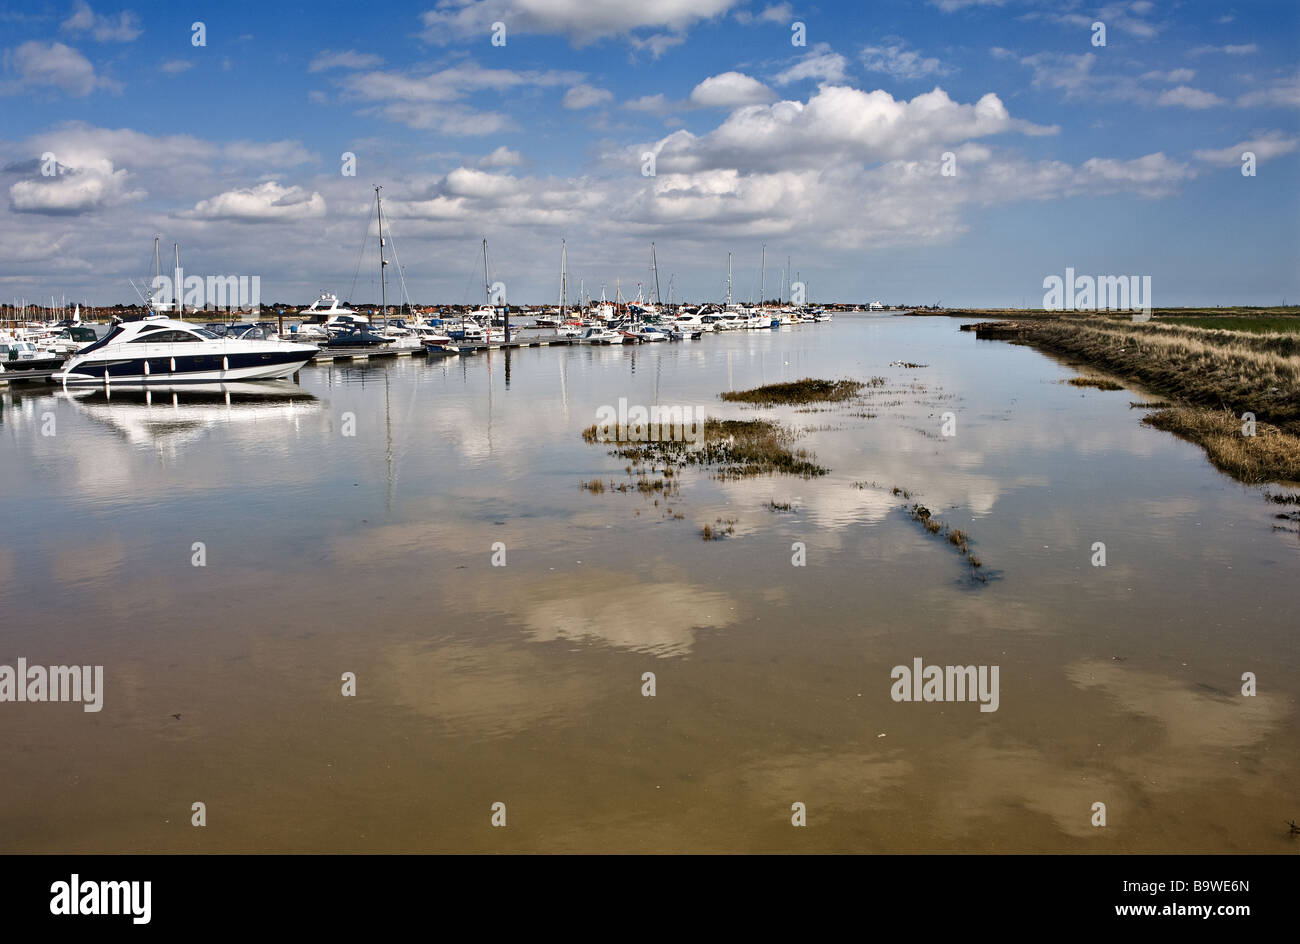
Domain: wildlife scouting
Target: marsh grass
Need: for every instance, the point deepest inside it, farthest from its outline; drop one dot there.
(1281, 499)
(1243, 372)
(1101, 383)
(955, 536)
(1269, 455)
(1214, 376)
(806, 390)
(959, 539)
(718, 530)
(735, 448)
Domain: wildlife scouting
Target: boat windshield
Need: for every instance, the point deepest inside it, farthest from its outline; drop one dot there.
(117, 329)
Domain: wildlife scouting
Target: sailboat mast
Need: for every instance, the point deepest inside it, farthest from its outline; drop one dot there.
(654, 267)
(564, 279)
(179, 286)
(762, 282)
(487, 277)
(728, 280)
(383, 263)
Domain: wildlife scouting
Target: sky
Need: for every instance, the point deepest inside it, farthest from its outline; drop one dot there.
(957, 152)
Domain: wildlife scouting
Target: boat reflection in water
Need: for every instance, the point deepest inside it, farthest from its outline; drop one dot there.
(175, 415)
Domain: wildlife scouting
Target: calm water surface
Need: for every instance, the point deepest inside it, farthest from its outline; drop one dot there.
(328, 553)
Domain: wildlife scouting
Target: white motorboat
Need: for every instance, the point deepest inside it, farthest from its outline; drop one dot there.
(430, 335)
(471, 332)
(165, 351)
(645, 332)
(21, 354)
(692, 322)
(324, 317)
(601, 336)
(74, 338)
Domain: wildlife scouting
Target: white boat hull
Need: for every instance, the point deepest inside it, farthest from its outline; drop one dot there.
(80, 377)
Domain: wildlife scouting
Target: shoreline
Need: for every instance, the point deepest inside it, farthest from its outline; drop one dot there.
(1236, 394)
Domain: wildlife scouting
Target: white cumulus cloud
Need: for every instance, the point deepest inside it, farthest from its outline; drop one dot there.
(55, 65)
(266, 202)
(729, 90)
(73, 190)
(838, 122)
(502, 157)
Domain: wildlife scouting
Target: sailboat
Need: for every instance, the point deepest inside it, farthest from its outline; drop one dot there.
(476, 327)
(563, 325)
(556, 321)
(361, 334)
(567, 325)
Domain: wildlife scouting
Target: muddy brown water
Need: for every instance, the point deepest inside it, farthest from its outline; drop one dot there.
(522, 684)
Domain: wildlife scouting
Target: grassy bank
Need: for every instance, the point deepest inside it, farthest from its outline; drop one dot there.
(1214, 376)
(1270, 455)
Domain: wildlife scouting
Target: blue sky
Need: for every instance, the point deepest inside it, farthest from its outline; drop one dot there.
(1123, 158)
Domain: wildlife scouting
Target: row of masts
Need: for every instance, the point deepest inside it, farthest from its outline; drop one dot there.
(563, 302)
(762, 290)
(178, 288)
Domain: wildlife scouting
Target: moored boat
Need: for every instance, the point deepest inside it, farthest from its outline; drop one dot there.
(19, 354)
(163, 350)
